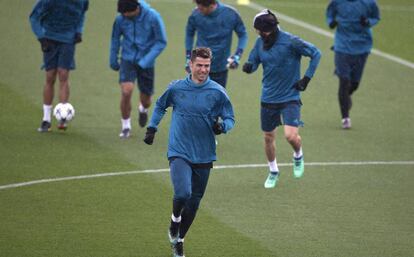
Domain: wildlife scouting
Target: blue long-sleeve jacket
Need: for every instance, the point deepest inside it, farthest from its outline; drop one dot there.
(215, 31)
(281, 66)
(350, 36)
(195, 108)
(141, 38)
(58, 20)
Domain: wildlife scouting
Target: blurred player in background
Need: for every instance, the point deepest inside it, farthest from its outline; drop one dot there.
(214, 24)
(140, 33)
(353, 20)
(58, 25)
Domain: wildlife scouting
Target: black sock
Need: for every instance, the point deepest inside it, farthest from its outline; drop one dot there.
(187, 218)
(344, 97)
(177, 210)
(174, 226)
(178, 206)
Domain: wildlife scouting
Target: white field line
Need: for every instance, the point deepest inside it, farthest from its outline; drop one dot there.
(218, 167)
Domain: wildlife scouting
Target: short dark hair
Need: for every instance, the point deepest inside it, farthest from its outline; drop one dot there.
(205, 3)
(202, 52)
(127, 5)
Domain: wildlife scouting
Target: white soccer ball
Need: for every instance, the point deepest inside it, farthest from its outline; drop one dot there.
(64, 112)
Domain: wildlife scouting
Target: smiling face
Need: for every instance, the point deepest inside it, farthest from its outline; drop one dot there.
(200, 68)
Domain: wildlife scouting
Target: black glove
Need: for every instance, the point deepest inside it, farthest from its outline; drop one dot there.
(78, 38)
(115, 66)
(248, 67)
(302, 84)
(218, 128)
(364, 21)
(149, 136)
(46, 44)
(333, 24)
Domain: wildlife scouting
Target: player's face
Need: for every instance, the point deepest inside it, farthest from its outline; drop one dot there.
(200, 69)
(206, 10)
(262, 33)
(131, 14)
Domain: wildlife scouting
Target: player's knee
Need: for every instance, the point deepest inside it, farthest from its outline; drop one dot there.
(182, 195)
(291, 137)
(126, 92)
(63, 75)
(194, 203)
(269, 138)
(50, 81)
(51, 78)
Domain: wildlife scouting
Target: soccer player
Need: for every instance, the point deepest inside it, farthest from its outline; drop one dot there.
(58, 25)
(353, 42)
(214, 24)
(140, 32)
(201, 110)
(280, 55)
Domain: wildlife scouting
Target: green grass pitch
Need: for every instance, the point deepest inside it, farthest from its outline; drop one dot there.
(336, 210)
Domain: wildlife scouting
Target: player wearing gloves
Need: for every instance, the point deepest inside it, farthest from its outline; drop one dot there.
(140, 34)
(58, 25)
(214, 24)
(280, 55)
(198, 104)
(353, 20)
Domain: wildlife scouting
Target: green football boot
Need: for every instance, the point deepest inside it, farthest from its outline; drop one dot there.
(271, 180)
(298, 167)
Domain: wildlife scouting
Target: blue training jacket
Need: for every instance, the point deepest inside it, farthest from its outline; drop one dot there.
(350, 36)
(215, 31)
(195, 108)
(281, 66)
(58, 20)
(141, 38)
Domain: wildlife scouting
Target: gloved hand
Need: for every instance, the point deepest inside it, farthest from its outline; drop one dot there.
(302, 84)
(78, 38)
(333, 24)
(149, 135)
(248, 67)
(187, 61)
(218, 128)
(45, 44)
(115, 66)
(233, 62)
(364, 21)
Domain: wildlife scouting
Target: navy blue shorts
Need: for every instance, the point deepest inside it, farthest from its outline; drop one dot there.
(219, 77)
(129, 72)
(273, 115)
(60, 55)
(349, 66)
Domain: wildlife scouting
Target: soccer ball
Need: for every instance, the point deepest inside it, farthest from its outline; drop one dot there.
(64, 112)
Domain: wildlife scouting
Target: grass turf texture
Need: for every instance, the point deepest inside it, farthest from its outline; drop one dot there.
(332, 211)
